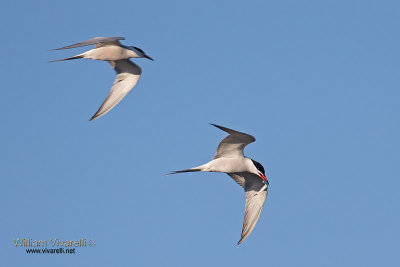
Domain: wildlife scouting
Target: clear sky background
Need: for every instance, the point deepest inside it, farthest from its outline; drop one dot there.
(316, 82)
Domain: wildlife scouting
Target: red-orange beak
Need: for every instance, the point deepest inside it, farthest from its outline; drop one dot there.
(146, 56)
(263, 177)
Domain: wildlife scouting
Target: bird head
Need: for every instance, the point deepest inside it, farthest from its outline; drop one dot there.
(139, 52)
(260, 171)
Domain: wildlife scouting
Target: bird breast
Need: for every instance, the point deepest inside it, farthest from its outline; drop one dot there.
(229, 165)
(111, 52)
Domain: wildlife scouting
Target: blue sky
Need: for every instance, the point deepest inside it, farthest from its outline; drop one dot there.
(316, 82)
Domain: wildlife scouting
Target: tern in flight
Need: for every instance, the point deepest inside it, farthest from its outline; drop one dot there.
(248, 173)
(128, 73)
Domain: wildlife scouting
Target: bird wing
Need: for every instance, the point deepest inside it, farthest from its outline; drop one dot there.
(233, 145)
(128, 74)
(98, 41)
(238, 178)
(255, 200)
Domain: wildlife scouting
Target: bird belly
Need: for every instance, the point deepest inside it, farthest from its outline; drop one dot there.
(228, 165)
(108, 53)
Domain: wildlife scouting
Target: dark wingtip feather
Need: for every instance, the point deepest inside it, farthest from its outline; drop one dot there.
(223, 128)
(96, 116)
(241, 240)
(215, 125)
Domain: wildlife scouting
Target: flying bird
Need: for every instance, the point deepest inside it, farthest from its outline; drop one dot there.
(246, 172)
(111, 50)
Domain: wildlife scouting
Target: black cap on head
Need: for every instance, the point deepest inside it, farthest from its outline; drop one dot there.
(137, 48)
(259, 167)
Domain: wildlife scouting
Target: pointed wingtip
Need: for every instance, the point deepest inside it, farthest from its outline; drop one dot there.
(215, 125)
(95, 116)
(221, 127)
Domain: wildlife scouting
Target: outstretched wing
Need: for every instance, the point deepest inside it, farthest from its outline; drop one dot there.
(98, 41)
(233, 145)
(128, 74)
(255, 200)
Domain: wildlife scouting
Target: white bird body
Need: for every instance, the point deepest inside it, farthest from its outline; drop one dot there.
(111, 50)
(248, 173)
(228, 165)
